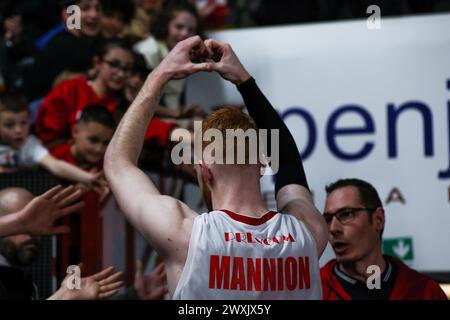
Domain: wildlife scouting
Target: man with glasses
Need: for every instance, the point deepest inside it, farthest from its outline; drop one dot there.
(355, 218)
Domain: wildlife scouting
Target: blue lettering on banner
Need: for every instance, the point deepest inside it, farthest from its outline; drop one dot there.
(446, 174)
(392, 117)
(311, 127)
(333, 131)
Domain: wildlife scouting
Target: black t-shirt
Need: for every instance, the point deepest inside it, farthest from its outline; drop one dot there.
(359, 290)
(64, 52)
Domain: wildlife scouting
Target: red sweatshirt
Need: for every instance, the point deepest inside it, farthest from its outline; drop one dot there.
(409, 284)
(63, 152)
(58, 112)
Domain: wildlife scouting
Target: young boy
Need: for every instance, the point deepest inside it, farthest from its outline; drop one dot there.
(91, 134)
(19, 149)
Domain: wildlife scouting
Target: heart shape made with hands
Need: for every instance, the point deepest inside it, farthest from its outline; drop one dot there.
(203, 53)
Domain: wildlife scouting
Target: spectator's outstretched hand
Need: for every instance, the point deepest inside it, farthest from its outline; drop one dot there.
(187, 57)
(38, 217)
(98, 179)
(101, 285)
(153, 286)
(100, 185)
(226, 63)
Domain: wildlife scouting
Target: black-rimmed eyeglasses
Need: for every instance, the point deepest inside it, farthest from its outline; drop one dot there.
(344, 215)
(117, 66)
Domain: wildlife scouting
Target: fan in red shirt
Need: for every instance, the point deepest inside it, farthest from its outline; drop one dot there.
(355, 217)
(58, 112)
(91, 135)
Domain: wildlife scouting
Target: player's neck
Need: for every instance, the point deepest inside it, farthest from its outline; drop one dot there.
(358, 269)
(240, 198)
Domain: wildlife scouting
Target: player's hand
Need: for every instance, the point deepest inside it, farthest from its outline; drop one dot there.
(186, 58)
(226, 63)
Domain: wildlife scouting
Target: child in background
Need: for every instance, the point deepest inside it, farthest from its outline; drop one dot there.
(91, 134)
(114, 17)
(57, 114)
(175, 22)
(19, 149)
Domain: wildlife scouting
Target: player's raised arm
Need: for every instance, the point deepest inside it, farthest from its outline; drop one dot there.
(291, 187)
(163, 220)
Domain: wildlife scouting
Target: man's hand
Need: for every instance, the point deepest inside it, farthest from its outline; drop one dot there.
(38, 216)
(101, 285)
(153, 286)
(179, 63)
(226, 63)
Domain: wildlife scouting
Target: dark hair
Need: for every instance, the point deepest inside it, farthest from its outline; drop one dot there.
(104, 47)
(14, 102)
(123, 9)
(368, 195)
(11, 8)
(63, 4)
(97, 113)
(160, 25)
(140, 67)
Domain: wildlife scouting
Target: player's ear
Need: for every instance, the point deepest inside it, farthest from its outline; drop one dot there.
(263, 164)
(205, 171)
(378, 218)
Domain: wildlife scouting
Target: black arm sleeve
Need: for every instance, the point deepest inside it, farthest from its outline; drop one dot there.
(266, 117)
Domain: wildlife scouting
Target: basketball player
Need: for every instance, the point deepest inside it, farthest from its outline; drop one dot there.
(238, 250)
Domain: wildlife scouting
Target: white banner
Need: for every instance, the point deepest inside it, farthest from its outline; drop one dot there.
(367, 103)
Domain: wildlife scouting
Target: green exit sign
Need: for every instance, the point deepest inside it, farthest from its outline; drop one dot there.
(401, 248)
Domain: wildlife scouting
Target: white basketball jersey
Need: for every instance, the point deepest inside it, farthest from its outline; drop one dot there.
(237, 257)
